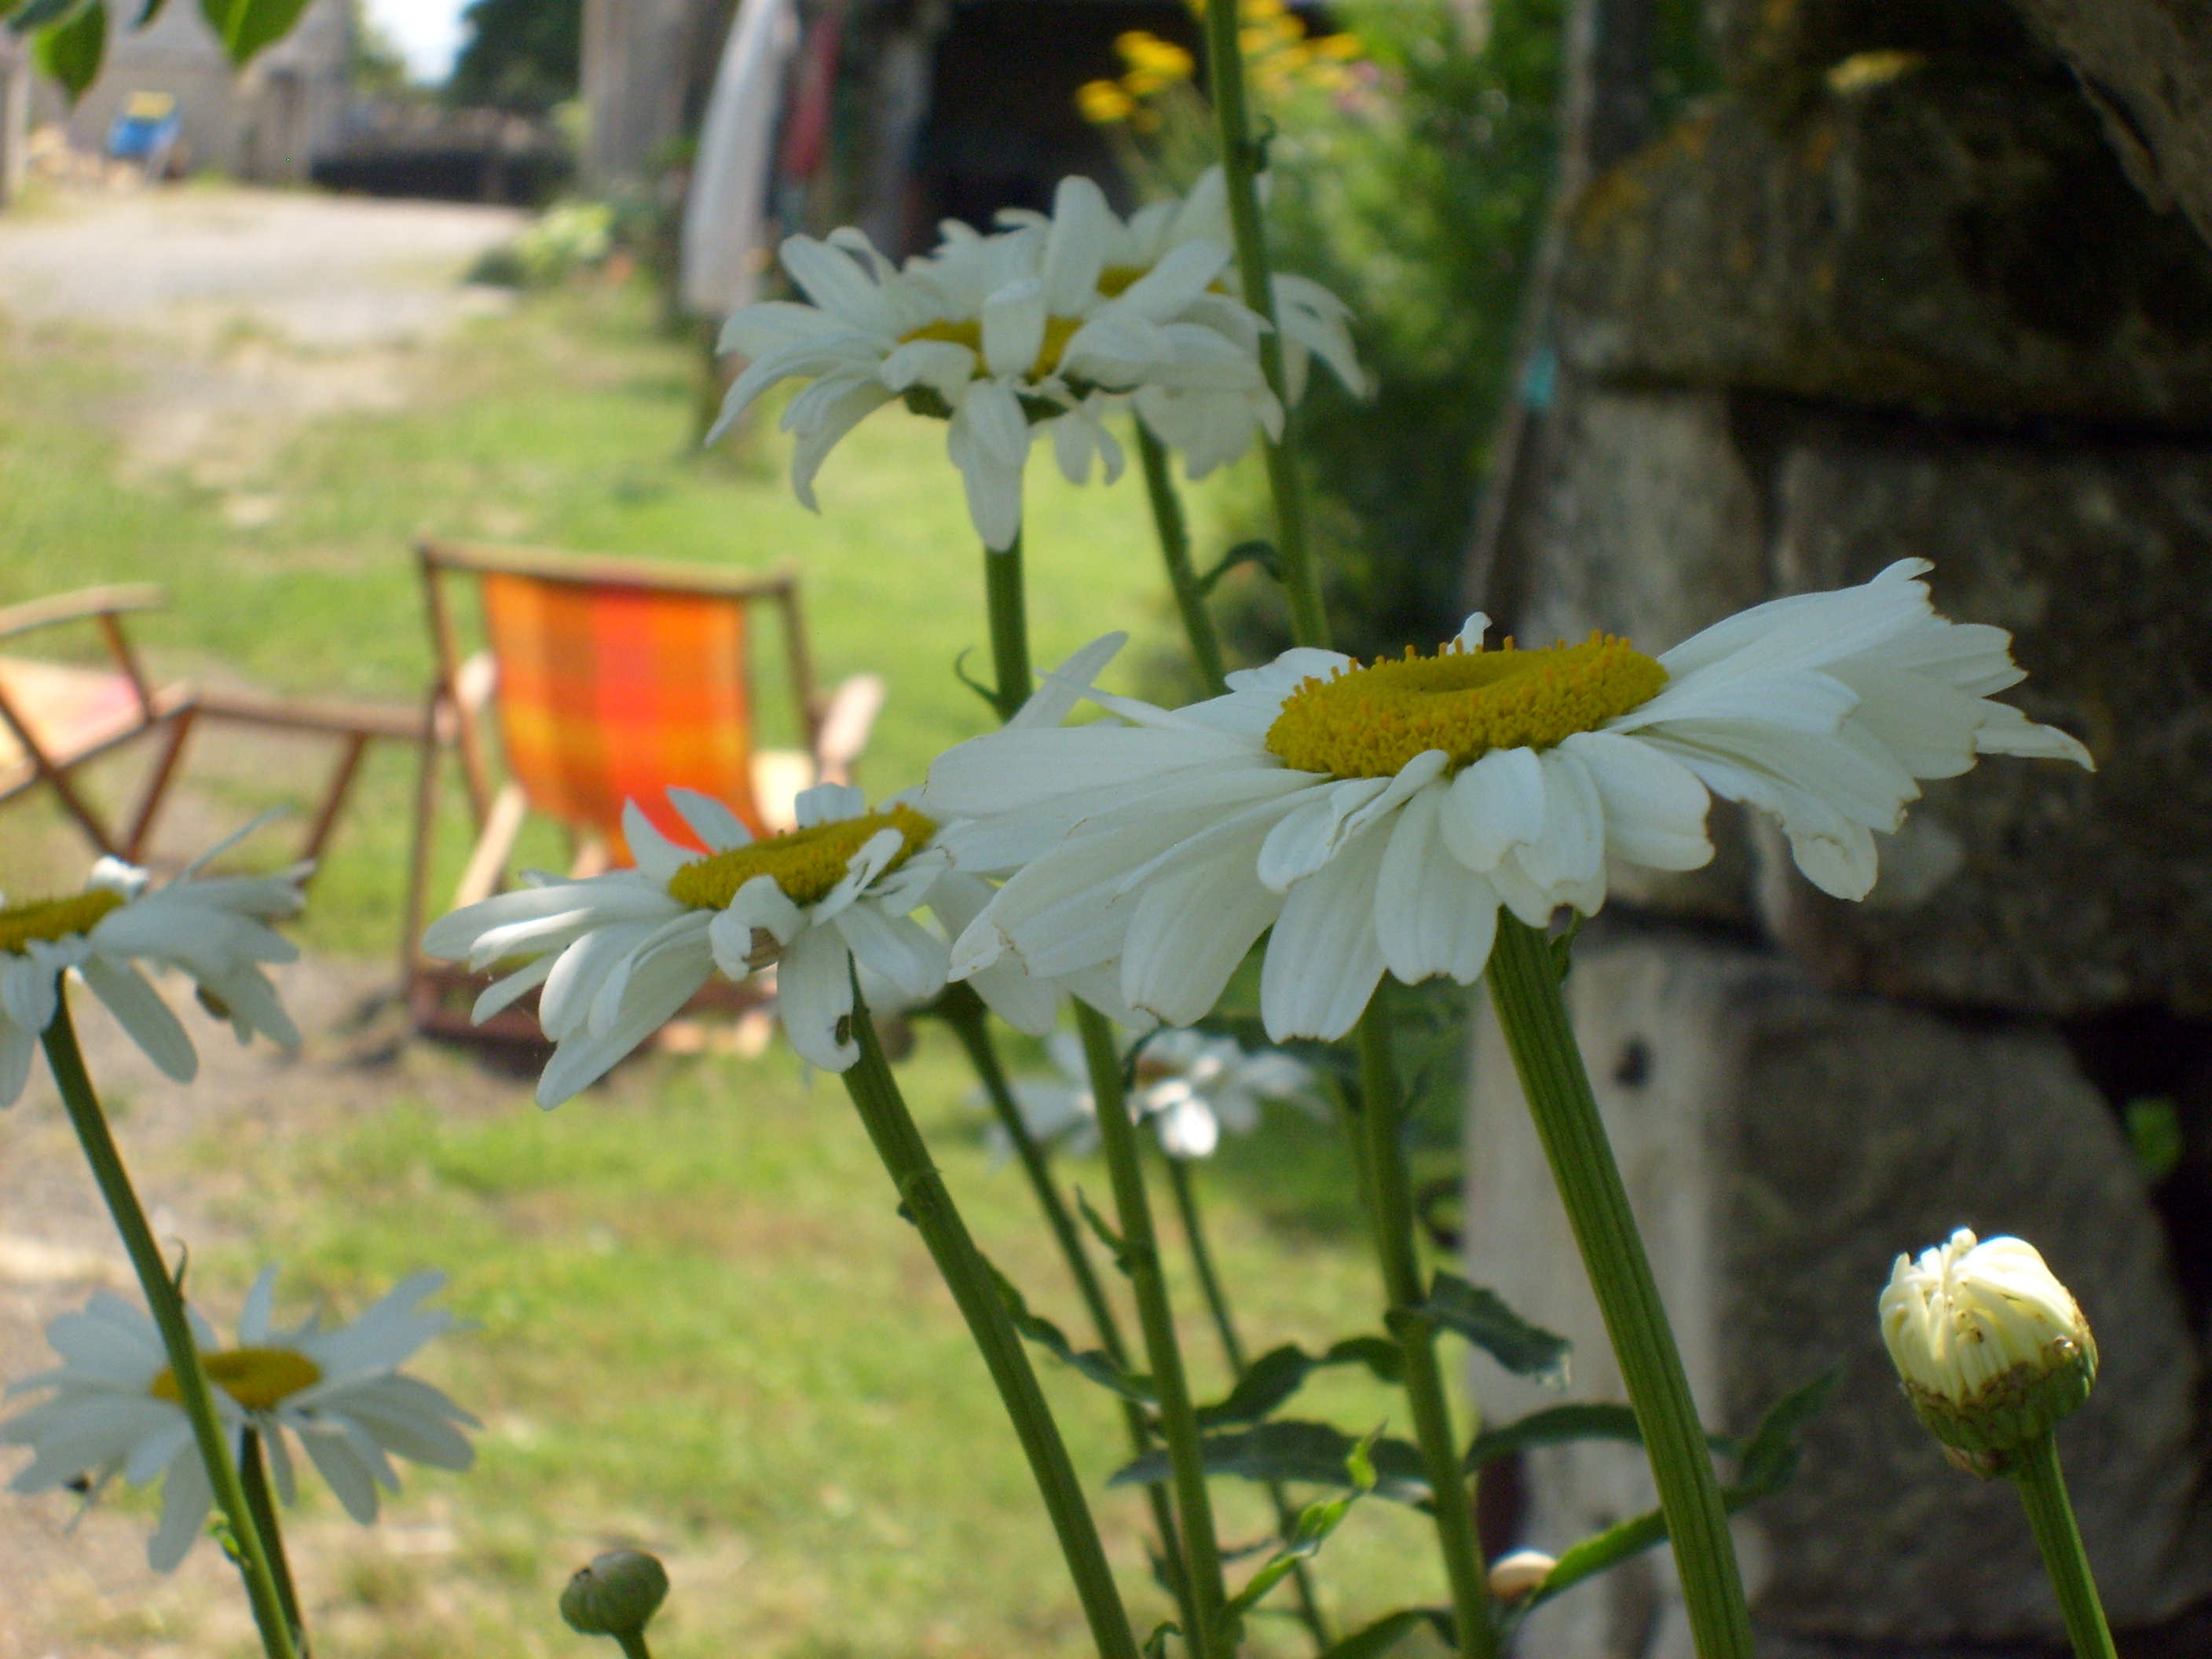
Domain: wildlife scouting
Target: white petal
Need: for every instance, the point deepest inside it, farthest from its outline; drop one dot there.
(830, 803)
(1324, 959)
(1013, 327)
(814, 996)
(140, 1012)
(1655, 808)
(714, 824)
(1432, 914)
(899, 949)
(1572, 849)
(1495, 805)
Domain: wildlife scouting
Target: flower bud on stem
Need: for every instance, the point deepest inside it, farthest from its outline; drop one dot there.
(617, 1596)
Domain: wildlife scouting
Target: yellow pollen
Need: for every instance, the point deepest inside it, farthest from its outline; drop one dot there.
(255, 1377)
(968, 331)
(53, 919)
(805, 863)
(1367, 722)
(1116, 280)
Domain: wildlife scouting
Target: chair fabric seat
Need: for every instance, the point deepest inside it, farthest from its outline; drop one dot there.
(71, 714)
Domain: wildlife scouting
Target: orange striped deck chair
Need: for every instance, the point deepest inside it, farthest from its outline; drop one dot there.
(607, 681)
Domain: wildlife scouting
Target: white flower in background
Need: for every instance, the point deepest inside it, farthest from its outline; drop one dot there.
(619, 954)
(1002, 334)
(213, 928)
(1992, 1349)
(1209, 425)
(113, 1406)
(1376, 816)
(1189, 1085)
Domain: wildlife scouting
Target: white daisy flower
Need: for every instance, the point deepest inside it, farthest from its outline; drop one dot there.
(113, 1407)
(213, 928)
(1002, 335)
(1210, 426)
(618, 955)
(1375, 816)
(1189, 1085)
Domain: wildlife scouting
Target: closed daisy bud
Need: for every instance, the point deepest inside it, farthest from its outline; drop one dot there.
(1993, 1350)
(617, 1596)
(1512, 1576)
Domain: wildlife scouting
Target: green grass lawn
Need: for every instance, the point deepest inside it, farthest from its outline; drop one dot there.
(698, 1322)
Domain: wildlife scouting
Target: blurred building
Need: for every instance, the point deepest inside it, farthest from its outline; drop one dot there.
(790, 115)
(267, 123)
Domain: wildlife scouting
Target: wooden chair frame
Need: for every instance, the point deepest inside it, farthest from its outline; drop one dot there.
(837, 729)
(168, 710)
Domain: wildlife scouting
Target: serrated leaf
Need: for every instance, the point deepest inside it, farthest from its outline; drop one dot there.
(1386, 1632)
(1288, 1449)
(1315, 1524)
(1113, 1241)
(1554, 1426)
(70, 52)
(1090, 1361)
(1277, 1374)
(1483, 1319)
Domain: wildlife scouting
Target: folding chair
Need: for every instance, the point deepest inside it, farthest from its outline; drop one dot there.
(56, 717)
(612, 679)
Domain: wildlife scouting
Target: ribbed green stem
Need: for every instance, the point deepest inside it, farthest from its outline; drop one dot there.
(1141, 1259)
(964, 1012)
(254, 1476)
(1009, 630)
(1390, 1191)
(166, 1305)
(1524, 986)
(1175, 551)
(1232, 1349)
(926, 1200)
(2043, 1488)
(632, 1643)
(1240, 165)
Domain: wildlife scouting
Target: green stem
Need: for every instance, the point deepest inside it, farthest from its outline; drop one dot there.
(964, 1012)
(1524, 986)
(166, 1305)
(1240, 165)
(632, 1643)
(1224, 1326)
(255, 1477)
(1391, 1190)
(1010, 632)
(1141, 1261)
(2043, 1488)
(926, 1200)
(1174, 549)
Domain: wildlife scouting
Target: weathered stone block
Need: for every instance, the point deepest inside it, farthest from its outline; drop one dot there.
(1759, 43)
(1949, 240)
(1781, 1144)
(1647, 523)
(2029, 885)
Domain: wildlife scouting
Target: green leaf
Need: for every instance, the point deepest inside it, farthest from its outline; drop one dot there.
(147, 13)
(70, 52)
(246, 26)
(1277, 1374)
(1386, 1632)
(40, 14)
(1552, 1427)
(1770, 1456)
(1090, 1361)
(1478, 1316)
(1113, 1241)
(1315, 1524)
(1156, 1644)
(1289, 1449)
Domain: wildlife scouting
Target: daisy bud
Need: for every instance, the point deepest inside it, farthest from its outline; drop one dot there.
(1992, 1349)
(617, 1596)
(1512, 1576)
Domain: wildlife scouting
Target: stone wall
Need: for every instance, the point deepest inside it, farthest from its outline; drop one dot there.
(1894, 293)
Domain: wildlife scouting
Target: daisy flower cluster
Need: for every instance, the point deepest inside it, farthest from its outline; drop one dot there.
(1046, 326)
(1189, 1086)
(113, 1405)
(213, 929)
(1377, 816)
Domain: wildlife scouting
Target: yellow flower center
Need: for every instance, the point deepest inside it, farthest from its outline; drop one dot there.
(53, 919)
(805, 863)
(968, 331)
(255, 1377)
(1116, 280)
(1367, 722)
